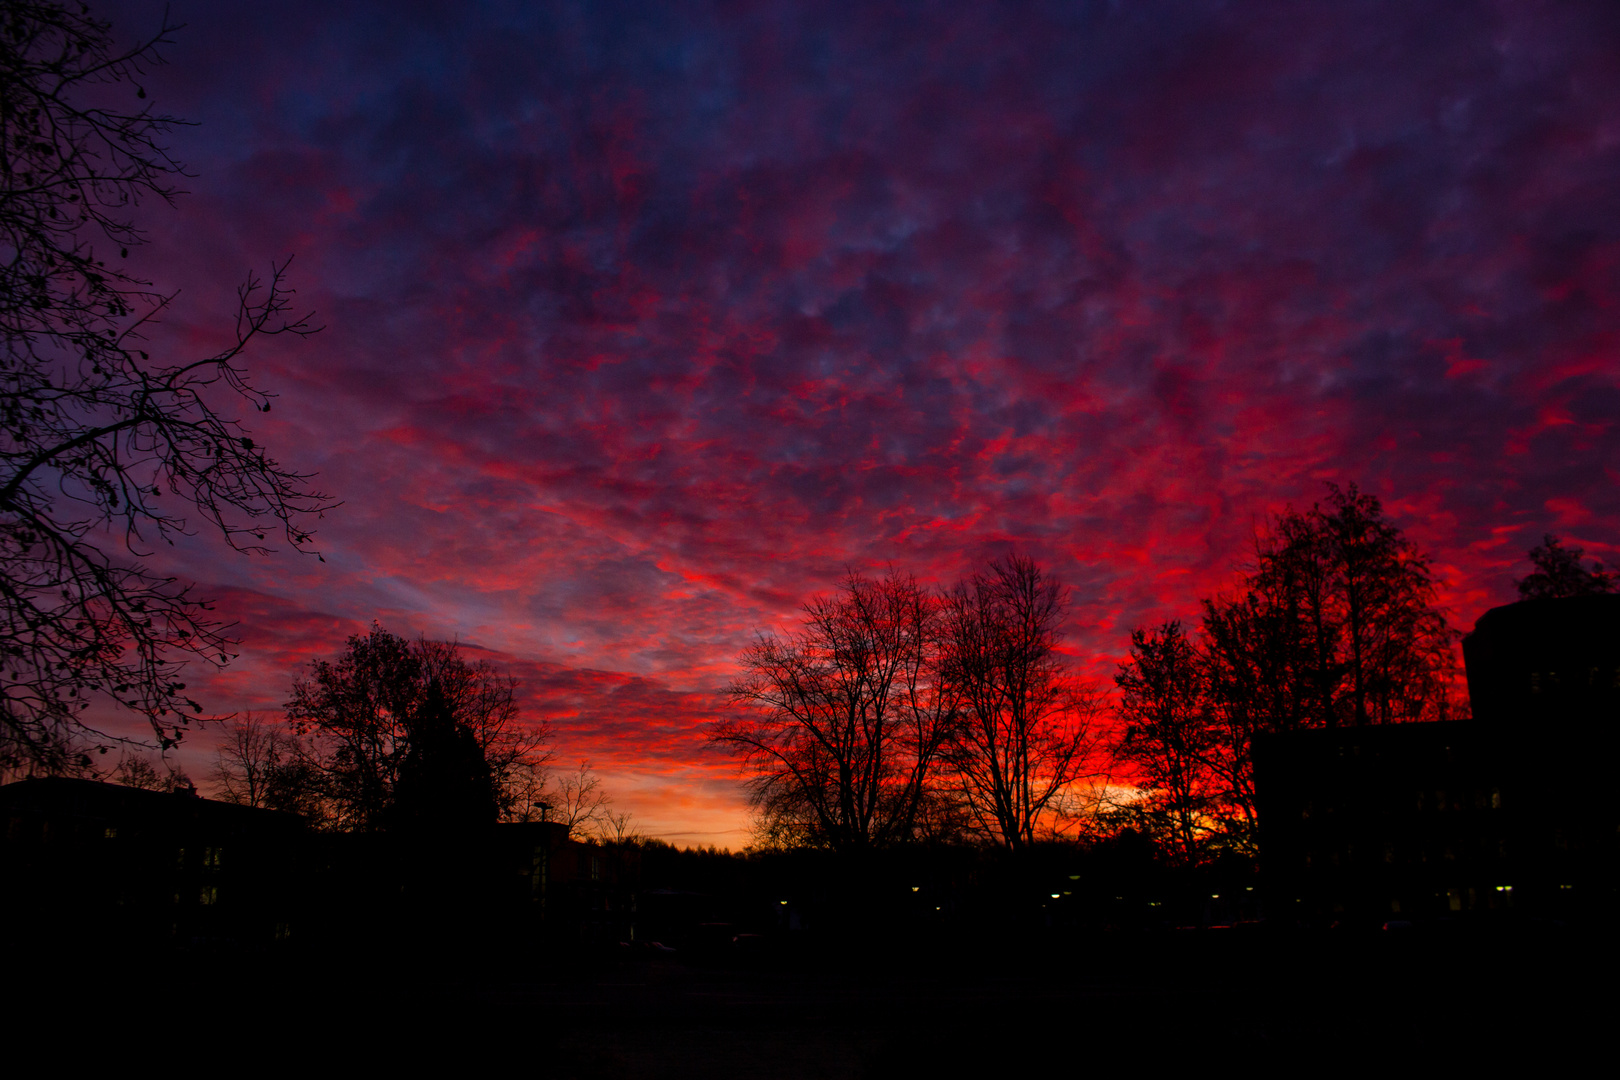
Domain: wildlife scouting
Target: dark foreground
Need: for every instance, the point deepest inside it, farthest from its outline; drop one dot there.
(1223, 1000)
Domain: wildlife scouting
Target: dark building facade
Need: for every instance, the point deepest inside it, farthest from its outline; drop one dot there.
(87, 860)
(83, 862)
(1511, 813)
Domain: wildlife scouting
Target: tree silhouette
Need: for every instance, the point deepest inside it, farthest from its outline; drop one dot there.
(1559, 572)
(391, 712)
(1169, 739)
(103, 449)
(1336, 624)
(1027, 733)
(1339, 614)
(445, 781)
(842, 723)
(137, 771)
(260, 764)
(579, 801)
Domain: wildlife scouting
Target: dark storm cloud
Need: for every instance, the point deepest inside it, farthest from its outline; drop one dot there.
(644, 321)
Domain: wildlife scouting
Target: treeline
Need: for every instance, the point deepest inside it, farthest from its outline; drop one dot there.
(899, 714)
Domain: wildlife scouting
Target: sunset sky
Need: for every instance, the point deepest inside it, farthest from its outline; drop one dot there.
(643, 322)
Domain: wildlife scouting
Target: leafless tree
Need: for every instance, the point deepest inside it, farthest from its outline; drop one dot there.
(1169, 742)
(137, 771)
(1348, 606)
(616, 827)
(527, 794)
(841, 725)
(1335, 623)
(579, 801)
(1028, 734)
(103, 450)
(265, 765)
(251, 750)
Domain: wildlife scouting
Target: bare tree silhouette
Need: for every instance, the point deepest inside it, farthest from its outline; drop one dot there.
(1028, 733)
(842, 724)
(103, 450)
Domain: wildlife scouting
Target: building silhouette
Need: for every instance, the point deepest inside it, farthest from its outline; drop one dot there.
(86, 861)
(1510, 814)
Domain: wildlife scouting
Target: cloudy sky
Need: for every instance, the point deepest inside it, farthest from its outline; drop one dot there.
(643, 322)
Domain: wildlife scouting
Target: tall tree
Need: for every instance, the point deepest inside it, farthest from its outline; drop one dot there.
(1560, 572)
(841, 724)
(1170, 742)
(394, 719)
(1343, 608)
(445, 781)
(1335, 624)
(102, 448)
(1026, 734)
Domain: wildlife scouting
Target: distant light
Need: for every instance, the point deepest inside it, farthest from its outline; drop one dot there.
(1074, 877)
(781, 901)
(915, 888)
(1504, 888)
(1249, 889)
(1054, 896)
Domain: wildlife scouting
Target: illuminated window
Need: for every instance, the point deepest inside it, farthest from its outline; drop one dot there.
(208, 895)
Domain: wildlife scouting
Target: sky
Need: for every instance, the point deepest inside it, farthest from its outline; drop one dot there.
(644, 323)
